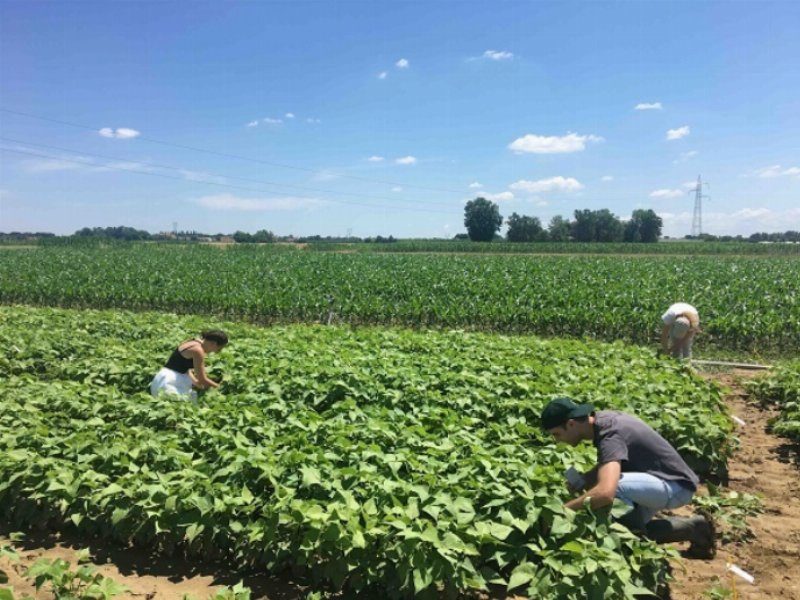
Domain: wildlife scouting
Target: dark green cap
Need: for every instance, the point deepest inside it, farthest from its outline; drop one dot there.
(559, 411)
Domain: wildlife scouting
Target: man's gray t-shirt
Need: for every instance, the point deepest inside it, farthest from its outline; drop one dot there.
(622, 437)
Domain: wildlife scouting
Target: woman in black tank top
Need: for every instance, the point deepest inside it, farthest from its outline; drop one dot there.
(185, 367)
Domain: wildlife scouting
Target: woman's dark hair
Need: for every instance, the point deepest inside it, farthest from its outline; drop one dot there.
(215, 335)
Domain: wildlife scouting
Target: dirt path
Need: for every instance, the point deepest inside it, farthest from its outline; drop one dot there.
(764, 465)
(767, 466)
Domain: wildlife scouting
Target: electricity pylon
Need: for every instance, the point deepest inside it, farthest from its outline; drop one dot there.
(697, 218)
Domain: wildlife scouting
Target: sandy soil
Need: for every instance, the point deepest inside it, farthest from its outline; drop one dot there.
(764, 465)
(770, 467)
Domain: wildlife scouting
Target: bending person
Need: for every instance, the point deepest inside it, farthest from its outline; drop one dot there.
(186, 366)
(681, 323)
(636, 465)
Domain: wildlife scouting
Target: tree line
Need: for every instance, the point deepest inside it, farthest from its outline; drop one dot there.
(483, 220)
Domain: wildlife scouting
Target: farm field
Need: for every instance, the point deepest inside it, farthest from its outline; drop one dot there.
(748, 305)
(692, 248)
(366, 459)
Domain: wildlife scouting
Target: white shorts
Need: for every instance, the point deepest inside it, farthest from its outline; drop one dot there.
(171, 382)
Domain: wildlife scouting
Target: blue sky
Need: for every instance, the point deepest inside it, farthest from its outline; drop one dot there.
(383, 118)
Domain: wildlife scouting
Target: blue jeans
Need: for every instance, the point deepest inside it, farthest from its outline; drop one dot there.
(647, 494)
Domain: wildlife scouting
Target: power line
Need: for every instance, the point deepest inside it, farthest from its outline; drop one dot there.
(225, 185)
(237, 156)
(259, 181)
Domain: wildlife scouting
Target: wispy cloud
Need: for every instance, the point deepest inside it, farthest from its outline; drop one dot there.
(498, 55)
(272, 121)
(253, 124)
(202, 177)
(375, 159)
(607, 178)
(402, 63)
(552, 184)
(648, 106)
(313, 120)
(47, 165)
(382, 75)
(680, 132)
(777, 171)
(122, 133)
(406, 160)
(744, 221)
(666, 193)
(543, 144)
(685, 156)
(397, 188)
(475, 185)
(289, 115)
(499, 197)
(229, 202)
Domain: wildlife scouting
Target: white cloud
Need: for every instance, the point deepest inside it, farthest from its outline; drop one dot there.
(54, 164)
(498, 55)
(676, 134)
(777, 171)
(326, 175)
(382, 75)
(271, 121)
(499, 197)
(397, 188)
(402, 63)
(648, 106)
(289, 115)
(685, 156)
(689, 185)
(666, 193)
(122, 133)
(313, 120)
(375, 159)
(475, 185)
(559, 183)
(253, 124)
(202, 177)
(607, 178)
(237, 203)
(541, 203)
(744, 221)
(406, 160)
(542, 144)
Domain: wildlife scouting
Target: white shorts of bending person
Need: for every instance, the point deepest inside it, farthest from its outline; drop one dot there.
(173, 383)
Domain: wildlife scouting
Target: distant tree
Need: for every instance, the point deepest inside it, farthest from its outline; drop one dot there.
(644, 226)
(262, 236)
(114, 233)
(596, 226)
(482, 219)
(559, 229)
(461, 236)
(608, 228)
(242, 237)
(522, 228)
(584, 225)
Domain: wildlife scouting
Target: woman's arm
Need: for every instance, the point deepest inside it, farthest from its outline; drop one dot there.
(199, 367)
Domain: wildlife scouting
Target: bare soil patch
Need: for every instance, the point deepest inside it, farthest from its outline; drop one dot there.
(767, 466)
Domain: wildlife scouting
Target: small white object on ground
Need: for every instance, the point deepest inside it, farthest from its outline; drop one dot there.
(738, 421)
(741, 573)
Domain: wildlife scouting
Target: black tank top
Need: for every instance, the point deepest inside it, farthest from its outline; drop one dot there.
(178, 363)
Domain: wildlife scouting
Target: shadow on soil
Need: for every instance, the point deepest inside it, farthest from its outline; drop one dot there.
(789, 453)
(139, 562)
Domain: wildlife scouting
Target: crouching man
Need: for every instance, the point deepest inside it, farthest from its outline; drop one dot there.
(636, 465)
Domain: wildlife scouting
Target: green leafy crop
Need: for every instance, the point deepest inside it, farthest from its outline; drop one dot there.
(379, 461)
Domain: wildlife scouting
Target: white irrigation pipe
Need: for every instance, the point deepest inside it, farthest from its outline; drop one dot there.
(718, 363)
